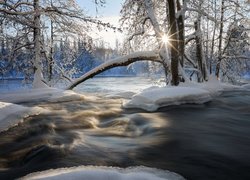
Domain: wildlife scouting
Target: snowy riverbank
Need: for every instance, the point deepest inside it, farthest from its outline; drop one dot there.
(149, 99)
(104, 173)
(11, 112)
(154, 98)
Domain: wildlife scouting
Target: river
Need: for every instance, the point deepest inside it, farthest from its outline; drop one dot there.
(208, 141)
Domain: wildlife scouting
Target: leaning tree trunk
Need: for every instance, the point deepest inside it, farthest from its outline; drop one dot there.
(120, 61)
(174, 50)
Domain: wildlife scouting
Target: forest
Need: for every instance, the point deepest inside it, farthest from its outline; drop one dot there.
(192, 39)
(168, 100)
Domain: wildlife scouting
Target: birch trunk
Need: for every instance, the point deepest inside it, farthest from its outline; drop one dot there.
(38, 76)
(200, 54)
(217, 73)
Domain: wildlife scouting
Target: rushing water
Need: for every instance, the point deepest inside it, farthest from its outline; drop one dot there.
(209, 141)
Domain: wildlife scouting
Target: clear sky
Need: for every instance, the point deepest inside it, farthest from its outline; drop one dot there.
(111, 8)
(109, 13)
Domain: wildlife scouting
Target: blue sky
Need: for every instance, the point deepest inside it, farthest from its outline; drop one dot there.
(112, 7)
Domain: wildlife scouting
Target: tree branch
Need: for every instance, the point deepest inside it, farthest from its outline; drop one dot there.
(120, 61)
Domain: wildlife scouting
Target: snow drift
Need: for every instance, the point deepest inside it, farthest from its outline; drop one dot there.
(43, 94)
(153, 98)
(104, 173)
(11, 114)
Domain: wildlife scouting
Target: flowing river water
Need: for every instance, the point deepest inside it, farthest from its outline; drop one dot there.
(208, 141)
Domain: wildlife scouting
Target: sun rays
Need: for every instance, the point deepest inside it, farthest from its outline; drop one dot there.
(167, 40)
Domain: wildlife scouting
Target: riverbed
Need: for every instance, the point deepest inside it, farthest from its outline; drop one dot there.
(207, 141)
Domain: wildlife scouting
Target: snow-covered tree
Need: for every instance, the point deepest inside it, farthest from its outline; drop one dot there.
(230, 12)
(155, 24)
(236, 53)
(155, 21)
(33, 17)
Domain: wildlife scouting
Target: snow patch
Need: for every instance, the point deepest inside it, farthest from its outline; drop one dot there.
(38, 81)
(246, 86)
(155, 98)
(12, 114)
(44, 94)
(105, 173)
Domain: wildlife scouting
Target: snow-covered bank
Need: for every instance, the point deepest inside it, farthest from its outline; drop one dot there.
(149, 99)
(11, 114)
(43, 94)
(105, 173)
(153, 98)
(246, 86)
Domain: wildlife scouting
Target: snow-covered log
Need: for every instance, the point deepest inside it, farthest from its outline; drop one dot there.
(120, 61)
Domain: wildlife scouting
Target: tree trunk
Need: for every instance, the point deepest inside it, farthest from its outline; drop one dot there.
(50, 63)
(174, 51)
(213, 41)
(181, 33)
(38, 77)
(217, 73)
(199, 53)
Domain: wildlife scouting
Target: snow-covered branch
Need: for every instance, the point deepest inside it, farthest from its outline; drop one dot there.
(190, 38)
(120, 61)
(190, 60)
(152, 17)
(2, 10)
(200, 11)
(141, 32)
(237, 57)
(79, 16)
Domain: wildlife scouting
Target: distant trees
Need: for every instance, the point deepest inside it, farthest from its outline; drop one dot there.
(33, 23)
(232, 14)
(236, 53)
(27, 18)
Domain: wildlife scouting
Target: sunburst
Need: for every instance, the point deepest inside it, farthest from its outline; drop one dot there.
(165, 39)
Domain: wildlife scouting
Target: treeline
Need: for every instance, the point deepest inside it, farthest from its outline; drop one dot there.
(70, 59)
